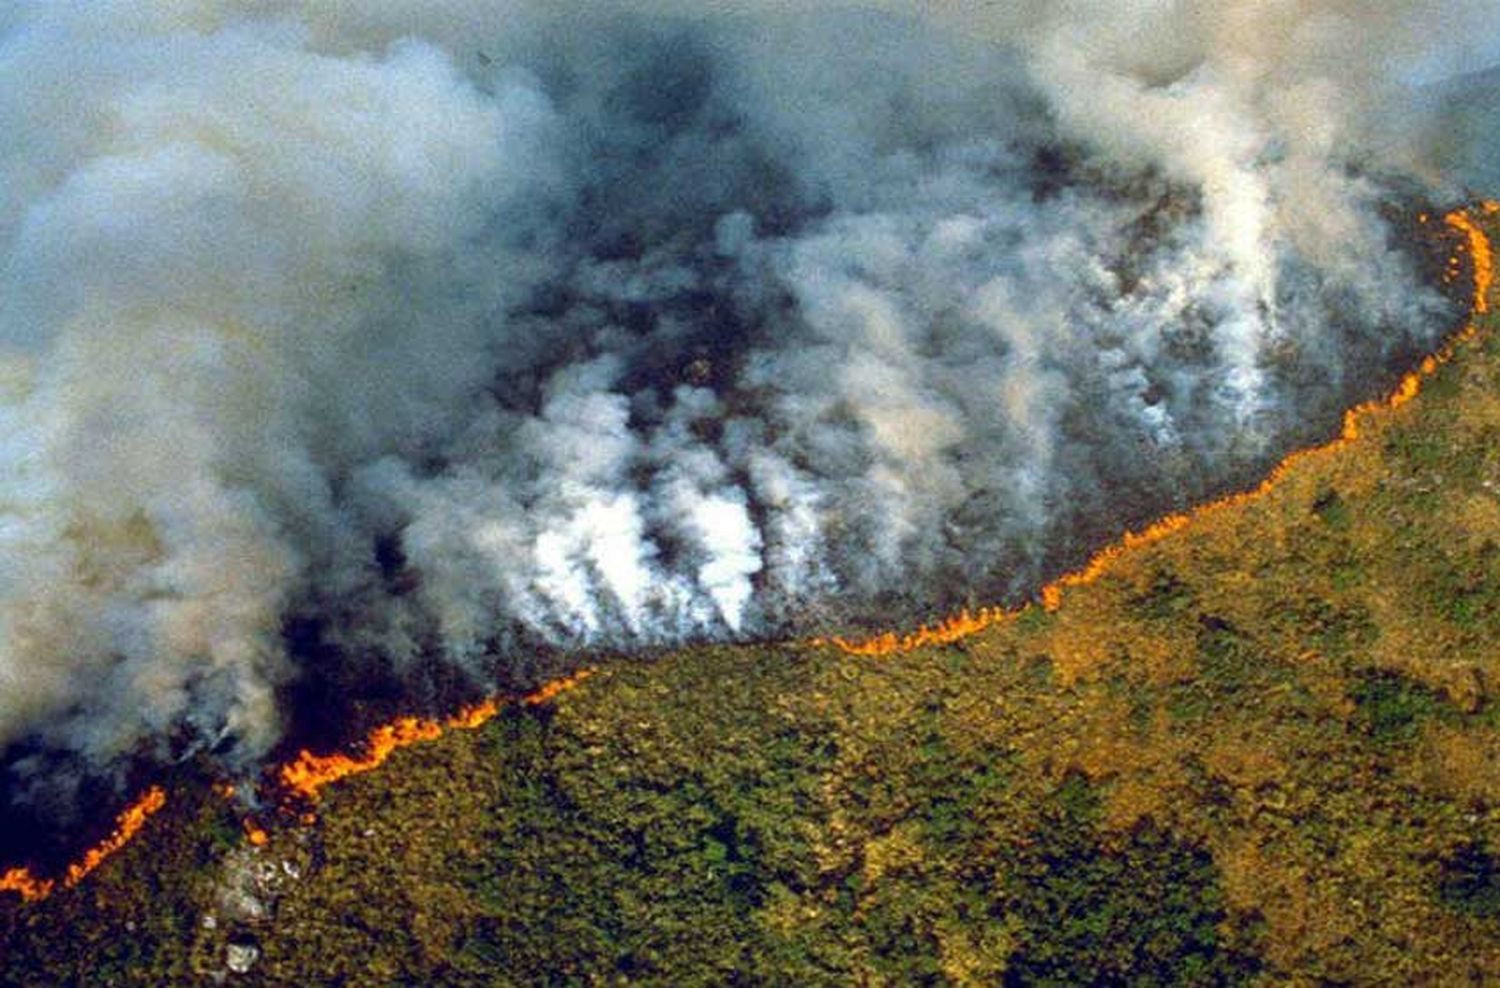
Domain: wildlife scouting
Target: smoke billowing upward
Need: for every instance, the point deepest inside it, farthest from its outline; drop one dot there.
(430, 334)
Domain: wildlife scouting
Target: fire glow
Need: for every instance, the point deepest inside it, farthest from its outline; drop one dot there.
(305, 776)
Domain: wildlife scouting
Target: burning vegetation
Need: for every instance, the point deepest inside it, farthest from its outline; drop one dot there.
(427, 383)
(407, 378)
(128, 824)
(1472, 255)
(307, 774)
(1177, 722)
(300, 779)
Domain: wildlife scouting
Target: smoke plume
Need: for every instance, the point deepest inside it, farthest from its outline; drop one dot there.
(429, 339)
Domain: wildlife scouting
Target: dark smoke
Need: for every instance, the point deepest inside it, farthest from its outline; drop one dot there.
(412, 341)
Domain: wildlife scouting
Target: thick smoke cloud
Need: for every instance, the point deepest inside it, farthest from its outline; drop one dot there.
(412, 335)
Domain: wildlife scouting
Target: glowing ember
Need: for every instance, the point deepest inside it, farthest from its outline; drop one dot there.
(308, 773)
(965, 623)
(254, 834)
(127, 825)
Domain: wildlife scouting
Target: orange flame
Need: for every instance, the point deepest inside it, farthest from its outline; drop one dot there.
(308, 773)
(966, 623)
(127, 825)
(24, 883)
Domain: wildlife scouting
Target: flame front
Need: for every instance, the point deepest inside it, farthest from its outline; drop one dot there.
(304, 776)
(129, 823)
(308, 773)
(966, 623)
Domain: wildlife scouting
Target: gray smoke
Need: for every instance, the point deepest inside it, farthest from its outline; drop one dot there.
(445, 332)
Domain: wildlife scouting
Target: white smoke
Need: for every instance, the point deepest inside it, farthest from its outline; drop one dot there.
(450, 331)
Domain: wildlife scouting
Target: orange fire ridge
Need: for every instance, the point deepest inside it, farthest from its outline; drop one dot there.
(965, 623)
(129, 823)
(308, 773)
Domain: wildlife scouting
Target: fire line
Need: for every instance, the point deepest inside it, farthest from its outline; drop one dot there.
(966, 622)
(129, 823)
(306, 775)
